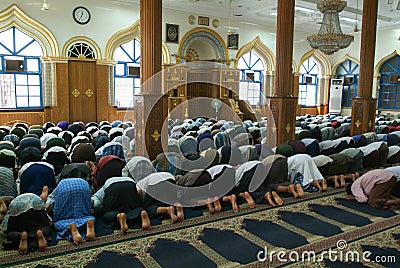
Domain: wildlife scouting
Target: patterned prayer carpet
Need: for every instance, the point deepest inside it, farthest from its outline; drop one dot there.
(316, 224)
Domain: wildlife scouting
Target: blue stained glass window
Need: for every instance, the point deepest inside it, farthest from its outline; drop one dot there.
(20, 70)
(389, 84)
(251, 67)
(308, 84)
(349, 71)
(127, 73)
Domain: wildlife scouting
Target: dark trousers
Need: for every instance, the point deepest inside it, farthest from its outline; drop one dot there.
(381, 193)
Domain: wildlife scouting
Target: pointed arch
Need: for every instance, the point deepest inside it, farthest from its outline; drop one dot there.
(347, 68)
(121, 37)
(126, 35)
(345, 57)
(383, 60)
(294, 67)
(14, 16)
(83, 39)
(319, 58)
(261, 49)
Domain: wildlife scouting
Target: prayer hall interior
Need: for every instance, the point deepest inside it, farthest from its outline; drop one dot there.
(294, 87)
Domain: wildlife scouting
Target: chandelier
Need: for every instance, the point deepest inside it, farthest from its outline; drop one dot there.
(330, 37)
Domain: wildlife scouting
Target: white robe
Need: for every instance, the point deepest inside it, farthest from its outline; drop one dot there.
(303, 164)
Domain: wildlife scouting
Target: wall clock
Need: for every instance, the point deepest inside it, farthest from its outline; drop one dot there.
(81, 15)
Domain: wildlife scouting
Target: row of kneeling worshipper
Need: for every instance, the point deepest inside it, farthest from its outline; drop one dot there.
(328, 127)
(67, 196)
(340, 156)
(65, 143)
(124, 190)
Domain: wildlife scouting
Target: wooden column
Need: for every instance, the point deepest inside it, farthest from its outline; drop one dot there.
(151, 39)
(283, 104)
(284, 48)
(151, 108)
(364, 106)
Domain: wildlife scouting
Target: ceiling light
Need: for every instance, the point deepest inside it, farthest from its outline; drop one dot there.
(44, 6)
(304, 9)
(330, 37)
(249, 23)
(274, 13)
(348, 19)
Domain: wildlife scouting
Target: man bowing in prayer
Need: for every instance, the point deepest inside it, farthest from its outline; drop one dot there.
(375, 188)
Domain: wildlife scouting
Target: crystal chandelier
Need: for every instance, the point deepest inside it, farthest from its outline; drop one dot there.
(330, 37)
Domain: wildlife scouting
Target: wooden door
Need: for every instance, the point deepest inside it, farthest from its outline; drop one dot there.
(82, 90)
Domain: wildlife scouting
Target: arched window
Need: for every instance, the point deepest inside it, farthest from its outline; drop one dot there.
(349, 71)
(251, 67)
(308, 84)
(127, 73)
(20, 71)
(390, 84)
(81, 50)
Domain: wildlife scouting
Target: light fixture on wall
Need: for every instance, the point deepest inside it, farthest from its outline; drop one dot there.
(330, 37)
(44, 6)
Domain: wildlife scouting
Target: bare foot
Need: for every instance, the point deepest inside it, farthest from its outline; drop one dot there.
(217, 205)
(342, 181)
(235, 207)
(41, 240)
(23, 243)
(76, 236)
(171, 212)
(299, 190)
(269, 199)
(249, 199)
(324, 185)
(277, 198)
(179, 212)
(45, 193)
(210, 208)
(122, 222)
(90, 233)
(336, 181)
(292, 191)
(315, 183)
(3, 207)
(145, 220)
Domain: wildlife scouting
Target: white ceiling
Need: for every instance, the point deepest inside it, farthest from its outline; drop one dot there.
(259, 12)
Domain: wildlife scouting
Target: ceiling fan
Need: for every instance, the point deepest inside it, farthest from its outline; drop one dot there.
(44, 7)
(230, 28)
(356, 26)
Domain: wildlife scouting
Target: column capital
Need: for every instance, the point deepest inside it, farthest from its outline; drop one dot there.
(106, 62)
(54, 59)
